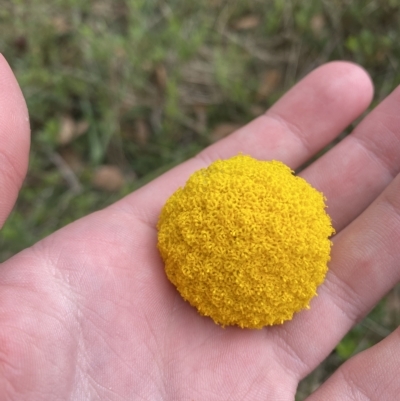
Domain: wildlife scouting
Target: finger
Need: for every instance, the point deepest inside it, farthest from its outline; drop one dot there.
(14, 139)
(356, 171)
(304, 120)
(364, 267)
(371, 375)
(307, 118)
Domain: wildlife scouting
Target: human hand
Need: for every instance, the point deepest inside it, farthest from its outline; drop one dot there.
(88, 314)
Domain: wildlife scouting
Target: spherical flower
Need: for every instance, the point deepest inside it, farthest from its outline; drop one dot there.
(246, 242)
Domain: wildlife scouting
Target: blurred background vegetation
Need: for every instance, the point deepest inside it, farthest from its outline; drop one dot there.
(121, 90)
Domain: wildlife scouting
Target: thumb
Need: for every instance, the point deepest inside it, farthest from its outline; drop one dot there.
(14, 139)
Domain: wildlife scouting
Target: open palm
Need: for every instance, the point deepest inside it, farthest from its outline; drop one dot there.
(88, 314)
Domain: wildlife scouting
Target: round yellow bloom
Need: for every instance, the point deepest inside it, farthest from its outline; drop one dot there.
(246, 242)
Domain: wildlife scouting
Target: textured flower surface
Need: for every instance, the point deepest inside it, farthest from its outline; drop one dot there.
(246, 242)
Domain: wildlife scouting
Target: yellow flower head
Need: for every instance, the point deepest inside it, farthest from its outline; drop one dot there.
(246, 242)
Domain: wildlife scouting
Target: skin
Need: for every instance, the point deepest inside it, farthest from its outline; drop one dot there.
(88, 314)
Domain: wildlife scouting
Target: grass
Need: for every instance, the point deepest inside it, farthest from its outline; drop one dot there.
(141, 85)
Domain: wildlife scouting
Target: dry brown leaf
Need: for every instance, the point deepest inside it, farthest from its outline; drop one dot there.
(161, 76)
(70, 129)
(269, 83)
(142, 132)
(108, 178)
(248, 22)
(67, 130)
(317, 24)
(222, 130)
